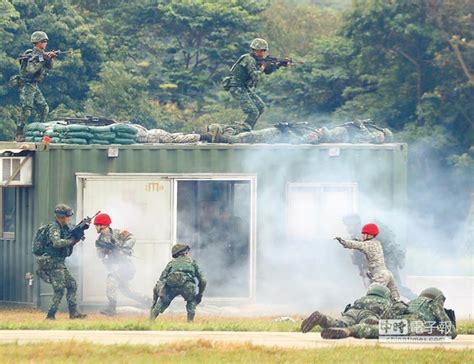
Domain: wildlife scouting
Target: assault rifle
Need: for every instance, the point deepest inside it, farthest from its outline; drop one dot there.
(77, 232)
(107, 245)
(298, 125)
(41, 57)
(282, 62)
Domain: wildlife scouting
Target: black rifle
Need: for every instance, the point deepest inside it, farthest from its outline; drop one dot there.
(291, 126)
(282, 62)
(77, 232)
(41, 57)
(107, 245)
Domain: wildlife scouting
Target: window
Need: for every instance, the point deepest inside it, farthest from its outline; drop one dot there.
(315, 210)
(7, 212)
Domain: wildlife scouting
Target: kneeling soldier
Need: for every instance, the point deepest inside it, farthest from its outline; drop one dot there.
(179, 279)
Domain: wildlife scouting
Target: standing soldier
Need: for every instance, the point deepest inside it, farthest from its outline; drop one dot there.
(244, 77)
(372, 249)
(115, 247)
(393, 253)
(179, 279)
(34, 66)
(52, 244)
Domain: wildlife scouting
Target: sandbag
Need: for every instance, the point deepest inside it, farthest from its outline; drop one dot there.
(77, 128)
(125, 141)
(36, 127)
(104, 136)
(142, 133)
(29, 139)
(121, 135)
(100, 129)
(99, 141)
(75, 141)
(124, 128)
(55, 140)
(51, 133)
(34, 133)
(60, 129)
(80, 135)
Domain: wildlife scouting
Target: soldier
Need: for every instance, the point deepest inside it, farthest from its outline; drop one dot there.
(34, 66)
(372, 249)
(393, 253)
(179, 279)
(428, 309)
(53, 243)
(358, 131)
(367, 309)
(115, 247)
(244, 77)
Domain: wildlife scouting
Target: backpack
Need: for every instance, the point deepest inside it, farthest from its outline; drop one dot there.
(40, 240)
(177, 279)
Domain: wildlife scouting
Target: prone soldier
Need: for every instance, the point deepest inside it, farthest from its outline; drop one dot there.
(366, 310)
(427, 309)
(179, 279)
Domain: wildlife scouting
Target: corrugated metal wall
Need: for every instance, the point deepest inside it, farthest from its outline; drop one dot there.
(378, 169)
(15, 255)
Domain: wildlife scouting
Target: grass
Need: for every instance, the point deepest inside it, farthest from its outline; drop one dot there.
(207, 352)
(27, 319)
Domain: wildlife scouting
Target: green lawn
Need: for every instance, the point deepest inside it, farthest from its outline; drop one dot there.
(207, 352)
(26, 319)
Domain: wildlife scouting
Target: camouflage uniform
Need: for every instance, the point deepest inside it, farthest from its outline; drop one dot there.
(359, 131)
(244, 77)
(120, 267)
(378, 272)
(52, 267)
(233, 134)
(429, 310)
(34, 67)
(162, 136)
(367, 309)
(167, 288)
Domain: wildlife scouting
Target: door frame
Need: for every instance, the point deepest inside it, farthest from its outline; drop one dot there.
(81, 181)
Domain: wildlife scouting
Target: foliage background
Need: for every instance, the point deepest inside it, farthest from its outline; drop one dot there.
(405, 64)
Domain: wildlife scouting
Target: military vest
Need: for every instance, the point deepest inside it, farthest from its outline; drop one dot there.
(240, 76)
(377, 305)
(181, 271)
(421, 307)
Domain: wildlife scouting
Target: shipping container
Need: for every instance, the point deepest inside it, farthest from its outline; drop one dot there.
(236, 205)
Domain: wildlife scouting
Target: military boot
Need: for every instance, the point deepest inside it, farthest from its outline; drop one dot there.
(336, 333)
(110, 309)
(75, 314)
(316, 318)
(191, 316)
(51, 315)
(20, 134)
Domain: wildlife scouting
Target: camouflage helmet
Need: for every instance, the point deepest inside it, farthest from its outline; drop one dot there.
(38, 37)
(63, 210)
(432, 293)
(259, 44)
(378, 290)
(178, 249)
